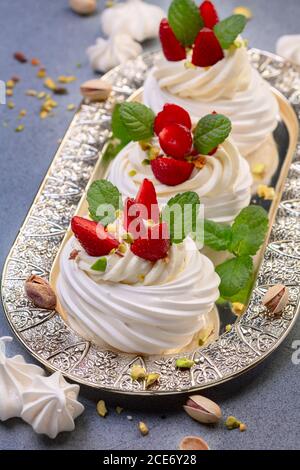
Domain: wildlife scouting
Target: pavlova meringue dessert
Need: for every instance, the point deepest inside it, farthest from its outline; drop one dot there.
(177, 159)
(131, 283)
(206, 66)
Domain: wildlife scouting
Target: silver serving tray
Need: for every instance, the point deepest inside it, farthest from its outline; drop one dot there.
(252, 337)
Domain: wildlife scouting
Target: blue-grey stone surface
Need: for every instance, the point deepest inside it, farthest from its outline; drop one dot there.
(267, 399)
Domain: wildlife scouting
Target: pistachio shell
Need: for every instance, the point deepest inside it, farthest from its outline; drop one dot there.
(203, 410)
(276, 298)
(193, 443)
(39, 291)
(96, 90)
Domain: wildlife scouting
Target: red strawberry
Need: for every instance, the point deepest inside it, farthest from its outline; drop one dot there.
(209, 14)
(93, 237)
(176, 140)
(172, 48)
(172, 114)
(207, 50)
(155, 246)
(170, 171)
(146, 197)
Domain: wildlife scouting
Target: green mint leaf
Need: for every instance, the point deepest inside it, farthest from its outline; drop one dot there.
(182, 219)
(234, 274)
(114, 146)
(217, 236)
(100, 265)
(211, 131)
(138, 120)
(103, 194)
(229, 29)
(185, 20)
(243, 295)
(249, 231)
(117, 126)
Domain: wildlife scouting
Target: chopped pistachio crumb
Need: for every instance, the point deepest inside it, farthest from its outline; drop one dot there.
(137, 372)
(199, 162)
(31, 92)
(132, 173)
(266, 192)
(204, 337)
(243, 427)
(146, 161)
(49, 83)
(79, 65)
(258, 169)
(9, 92)
(100, 265)
(189, 65)
(232, 423)
(145, 145)
(101, 408)
(241, 10)
(10, 84)
(112, 252)
(228, 328)
(44, 114)
(143, 428)
(22, 113)
(41, 95)
(141, 277)
(152, 378)
(122, 248)
(109, 3)
(71, 106)
(153, 152)
(128, 238)
(119, 410)
(20, 128)
(184, 363)
(238, 308)
(41, 73)
(66, 79)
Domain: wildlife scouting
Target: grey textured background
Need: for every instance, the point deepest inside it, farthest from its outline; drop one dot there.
(267, 399)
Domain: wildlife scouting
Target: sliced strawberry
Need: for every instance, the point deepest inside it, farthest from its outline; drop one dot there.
(148, 209)
(172, 48)
(176, 141)
(209, 14)
(170, 171)
(93, 237)
(172, 114)
(213, 151)
(155, 246)
(207, 50)
(147, 197)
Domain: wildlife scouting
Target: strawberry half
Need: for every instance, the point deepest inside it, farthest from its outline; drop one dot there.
(93, 237)
(146, 197)
(170, 171)
(171, 47)
(172, 114)
(207, 50)
(176, 141)
(155, 246)
(209, 14)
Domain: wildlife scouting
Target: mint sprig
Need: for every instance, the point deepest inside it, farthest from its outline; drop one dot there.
(211, 131)
(138, 121)
(103, 194)
(181, 220)
(243, 239)
(228, 30)
(185, 21)
(234, 274)
(119, 138)
(217, 236)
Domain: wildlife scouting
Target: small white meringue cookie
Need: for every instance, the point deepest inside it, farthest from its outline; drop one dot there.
(288, 46)
(50, 405)
(15, 377)
(134, 17)
(108, 53)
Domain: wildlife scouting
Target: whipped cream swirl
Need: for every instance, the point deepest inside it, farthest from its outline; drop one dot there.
(137, 306)
(223, 184)
(288, 46)
(231, 87)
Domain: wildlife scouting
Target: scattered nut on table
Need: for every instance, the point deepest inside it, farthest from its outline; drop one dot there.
(83, 7)
(276, 298)
(96, 90)
(39, 291)
(203, 409)
(193, 443)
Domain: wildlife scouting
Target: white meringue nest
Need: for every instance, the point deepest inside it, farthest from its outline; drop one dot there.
(288, 46)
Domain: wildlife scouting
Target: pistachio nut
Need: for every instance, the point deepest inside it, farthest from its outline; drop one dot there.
(143, 428)
(232, 423)
(101, 408)
(184, 363)
(138, 372)
(276, 298)
(39, 291)
(151, 379)
(83, 7)
(203, 409)
(193, 443)
(96, 90)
